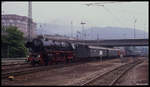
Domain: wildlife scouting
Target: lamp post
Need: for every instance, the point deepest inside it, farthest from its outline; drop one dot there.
(82, 23)
(134, 48)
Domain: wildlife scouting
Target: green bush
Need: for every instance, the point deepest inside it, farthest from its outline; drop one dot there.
(13, 43)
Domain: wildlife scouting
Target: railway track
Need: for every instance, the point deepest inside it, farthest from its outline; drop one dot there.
(27, 69)
(30, 69)
(13, 64)
(13, 61)
(111, 77)
(15, 67)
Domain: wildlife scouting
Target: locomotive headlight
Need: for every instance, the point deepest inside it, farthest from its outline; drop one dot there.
(38, 56)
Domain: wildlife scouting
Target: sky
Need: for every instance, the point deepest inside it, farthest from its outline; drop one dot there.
(115, 14)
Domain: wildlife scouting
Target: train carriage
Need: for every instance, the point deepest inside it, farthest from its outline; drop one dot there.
(98, 51)
(113, 52)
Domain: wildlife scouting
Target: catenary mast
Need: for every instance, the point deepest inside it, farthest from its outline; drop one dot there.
(29, 21)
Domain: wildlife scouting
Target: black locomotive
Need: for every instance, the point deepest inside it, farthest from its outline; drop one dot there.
(45, 52)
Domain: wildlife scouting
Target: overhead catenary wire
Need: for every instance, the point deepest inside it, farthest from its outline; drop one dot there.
(114, 16)
(108, 10)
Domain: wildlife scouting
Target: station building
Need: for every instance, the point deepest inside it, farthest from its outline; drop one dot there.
(21, 22)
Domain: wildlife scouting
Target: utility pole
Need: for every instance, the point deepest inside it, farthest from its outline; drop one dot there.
(71, 30)
(97, 36)
(42, 31)
(82, 23)
(144, 35)
(78, 35)
(134, 27)
(29, 21)
(134, 48)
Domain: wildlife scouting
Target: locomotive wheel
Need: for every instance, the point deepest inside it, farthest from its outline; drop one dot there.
(66, 60)
(33, 63)
(72, 60)
(38, 62)
(56, 62)
(27, 60)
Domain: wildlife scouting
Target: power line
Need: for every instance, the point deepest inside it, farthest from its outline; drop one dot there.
(102, 5)
(118, 20)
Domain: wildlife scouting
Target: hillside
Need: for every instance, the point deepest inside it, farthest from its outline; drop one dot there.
(93, 32)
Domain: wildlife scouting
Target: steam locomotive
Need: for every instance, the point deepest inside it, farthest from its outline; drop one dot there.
(45, 52)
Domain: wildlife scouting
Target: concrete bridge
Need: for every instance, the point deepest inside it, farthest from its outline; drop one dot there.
(115, 42)
(111, 43)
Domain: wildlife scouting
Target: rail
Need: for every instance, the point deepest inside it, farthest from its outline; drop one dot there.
(111, 77)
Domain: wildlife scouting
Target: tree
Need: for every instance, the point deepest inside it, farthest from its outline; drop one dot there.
(13, 43)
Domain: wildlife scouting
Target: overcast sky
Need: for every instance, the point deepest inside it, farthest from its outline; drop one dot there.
(117, 14)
